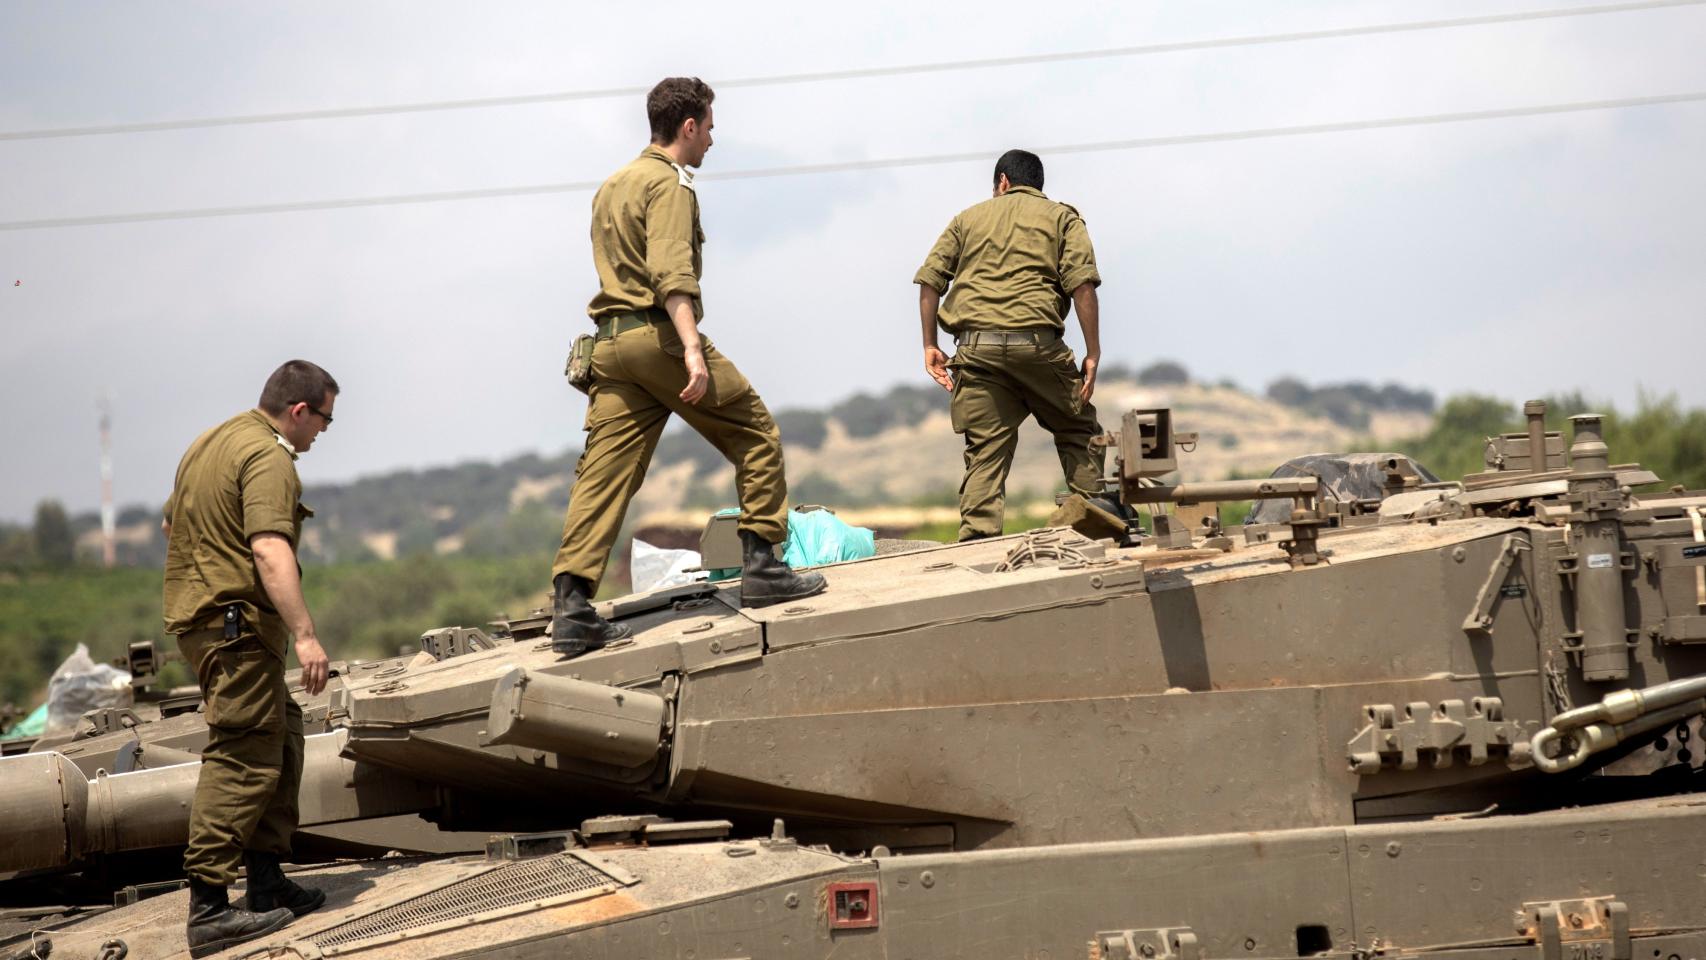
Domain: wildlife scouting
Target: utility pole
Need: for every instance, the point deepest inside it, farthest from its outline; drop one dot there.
(109, 521)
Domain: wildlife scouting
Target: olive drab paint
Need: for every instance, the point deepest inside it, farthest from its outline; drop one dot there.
(1376, 726)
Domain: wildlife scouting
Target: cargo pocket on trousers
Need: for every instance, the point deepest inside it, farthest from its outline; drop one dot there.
(670, 342)
(726, 383)
(956, 403)
(1071, 379)
(247, 685)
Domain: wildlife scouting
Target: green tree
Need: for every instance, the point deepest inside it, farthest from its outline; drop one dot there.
(55, 545)
(1453, 446)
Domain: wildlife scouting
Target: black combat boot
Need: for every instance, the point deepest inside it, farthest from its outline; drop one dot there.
(575, 626)
(215, 924)
(270, 889)
(1114, 506)
(765, 580)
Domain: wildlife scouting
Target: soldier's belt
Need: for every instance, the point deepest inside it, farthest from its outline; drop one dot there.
(990, 338)
(610, 326)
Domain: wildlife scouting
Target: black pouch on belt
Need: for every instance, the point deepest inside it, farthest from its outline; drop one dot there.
(233, 621)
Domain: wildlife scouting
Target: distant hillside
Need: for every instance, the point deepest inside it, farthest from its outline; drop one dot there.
(894, 449)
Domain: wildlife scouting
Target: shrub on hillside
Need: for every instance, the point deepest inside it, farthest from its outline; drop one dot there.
(1163, 373)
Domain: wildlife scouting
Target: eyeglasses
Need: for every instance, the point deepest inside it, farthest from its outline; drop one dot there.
(319, 413)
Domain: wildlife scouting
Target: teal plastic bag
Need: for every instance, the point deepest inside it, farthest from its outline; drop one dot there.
(820, 537)
(30, 726)
(815, 537)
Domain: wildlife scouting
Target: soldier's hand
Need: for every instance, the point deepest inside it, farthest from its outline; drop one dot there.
(1090, 364)
(698, 378)
(936, 364)
(314, 665)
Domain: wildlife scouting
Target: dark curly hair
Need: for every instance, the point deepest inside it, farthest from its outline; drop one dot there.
(672, 101)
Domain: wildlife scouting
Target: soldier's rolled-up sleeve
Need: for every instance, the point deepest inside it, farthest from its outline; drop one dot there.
(1077, 257)
(943, 260)
(270, 490)
(669, 241)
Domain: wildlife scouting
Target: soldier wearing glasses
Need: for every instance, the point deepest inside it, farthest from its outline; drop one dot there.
(233, 598)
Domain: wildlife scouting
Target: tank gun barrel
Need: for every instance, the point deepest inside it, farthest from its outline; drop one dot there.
(58, 817)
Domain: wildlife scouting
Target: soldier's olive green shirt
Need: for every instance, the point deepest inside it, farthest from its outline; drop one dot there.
(235, 481)
(1010, 262)
(646, 237)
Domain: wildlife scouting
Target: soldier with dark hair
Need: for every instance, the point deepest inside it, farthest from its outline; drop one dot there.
(233, 598)
(1011, 267)
(649, 362)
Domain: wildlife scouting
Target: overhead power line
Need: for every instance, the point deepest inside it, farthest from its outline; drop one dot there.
(846, 166)
(945, 66)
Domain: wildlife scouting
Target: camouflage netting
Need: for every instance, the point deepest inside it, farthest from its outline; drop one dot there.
(1343, 476)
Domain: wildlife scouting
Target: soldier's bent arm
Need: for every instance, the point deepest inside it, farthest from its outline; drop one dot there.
(1089, 310)
(669, 241)
(935, 361)
(679, 306)
(943, 260)
(1077, 256)
(275, 562)
(929, 299)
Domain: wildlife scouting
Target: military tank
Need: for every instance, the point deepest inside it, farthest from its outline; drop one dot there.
(1397, 717)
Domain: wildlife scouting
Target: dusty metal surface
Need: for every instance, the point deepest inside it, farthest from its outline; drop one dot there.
(1213, 744)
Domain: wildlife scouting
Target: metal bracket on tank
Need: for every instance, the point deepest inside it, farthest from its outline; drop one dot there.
(1441, 735)
(447, 642)
(1595, 928)
(1479, 622)
(1160, 943)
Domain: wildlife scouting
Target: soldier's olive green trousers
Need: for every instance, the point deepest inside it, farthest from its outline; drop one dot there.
(638, 376)
(251, 769)
(996, 387)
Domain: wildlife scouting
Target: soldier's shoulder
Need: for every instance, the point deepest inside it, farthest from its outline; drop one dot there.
(655, 174)
(1067, 210)
(641, 175)
(253, 440)
(244, 429)
(978, 210)
(223, 449)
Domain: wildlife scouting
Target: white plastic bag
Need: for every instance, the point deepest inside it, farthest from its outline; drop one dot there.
(650, 568)
(80, 685)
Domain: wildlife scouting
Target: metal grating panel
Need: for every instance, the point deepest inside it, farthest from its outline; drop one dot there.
(503, 889)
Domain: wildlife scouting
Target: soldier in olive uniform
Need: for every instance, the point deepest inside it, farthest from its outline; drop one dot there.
(649, 362)
(233, 597)
(1012, 266)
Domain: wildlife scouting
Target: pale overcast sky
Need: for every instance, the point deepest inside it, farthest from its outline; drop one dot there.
(1513, 256)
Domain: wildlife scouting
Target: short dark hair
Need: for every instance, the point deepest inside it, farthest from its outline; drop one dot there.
(297, 381)
(1022, 167)
(672, 101)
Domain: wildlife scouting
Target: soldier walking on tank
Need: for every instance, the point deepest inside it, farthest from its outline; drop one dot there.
(648, 362)
(233, 598)
(1012, 266)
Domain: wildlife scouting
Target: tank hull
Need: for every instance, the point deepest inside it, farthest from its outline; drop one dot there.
(1470, 889)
